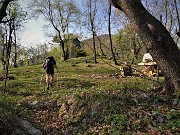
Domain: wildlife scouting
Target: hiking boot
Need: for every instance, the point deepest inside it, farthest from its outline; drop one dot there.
(47, 87)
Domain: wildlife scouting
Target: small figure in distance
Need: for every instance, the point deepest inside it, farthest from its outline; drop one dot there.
(49, 65)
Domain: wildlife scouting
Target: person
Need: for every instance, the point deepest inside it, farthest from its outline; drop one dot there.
(49, 65)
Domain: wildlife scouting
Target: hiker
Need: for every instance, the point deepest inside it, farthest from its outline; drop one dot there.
(49, 65)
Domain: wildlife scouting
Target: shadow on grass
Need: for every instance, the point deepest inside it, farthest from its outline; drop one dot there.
(124, 112)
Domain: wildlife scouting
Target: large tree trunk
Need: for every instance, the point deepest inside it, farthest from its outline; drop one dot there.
(157, 39)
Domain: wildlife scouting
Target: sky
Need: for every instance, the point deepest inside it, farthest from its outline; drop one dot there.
(33, 32)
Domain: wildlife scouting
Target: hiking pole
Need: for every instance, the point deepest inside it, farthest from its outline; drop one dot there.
(41, 79)
(57, 78)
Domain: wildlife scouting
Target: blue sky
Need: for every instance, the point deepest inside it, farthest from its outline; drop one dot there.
(33, 33)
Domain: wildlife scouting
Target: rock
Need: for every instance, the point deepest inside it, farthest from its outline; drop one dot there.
(34, 103)
(28, 128)
(37, 104)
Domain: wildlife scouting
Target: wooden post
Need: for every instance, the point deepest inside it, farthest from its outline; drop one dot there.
(157, 73)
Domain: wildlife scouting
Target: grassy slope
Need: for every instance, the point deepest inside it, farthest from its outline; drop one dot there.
(87, 99)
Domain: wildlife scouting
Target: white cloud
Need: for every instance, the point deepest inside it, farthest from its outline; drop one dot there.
(32, 37)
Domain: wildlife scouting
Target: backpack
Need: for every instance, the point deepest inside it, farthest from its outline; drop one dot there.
(49, 64)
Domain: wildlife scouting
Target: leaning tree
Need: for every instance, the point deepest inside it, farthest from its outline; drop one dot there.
(156, 38)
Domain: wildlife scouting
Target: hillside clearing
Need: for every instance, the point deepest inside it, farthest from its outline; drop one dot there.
(88, 98)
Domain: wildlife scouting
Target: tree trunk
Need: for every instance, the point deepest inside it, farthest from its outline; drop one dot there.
(175, 3)
(94, 49)
(15, 46)
(3, 9)
(6, 77)
(157, 39)
(100, 46)
(92, 30)
(8, 45)
(3, 52)
(64, 52)
(110, 37)
(62, 45)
